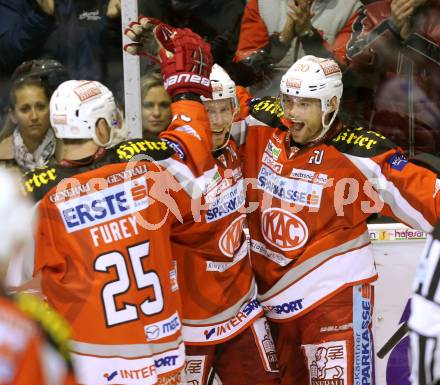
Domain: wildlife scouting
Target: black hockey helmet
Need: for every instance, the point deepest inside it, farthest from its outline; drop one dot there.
(51, 72)
(186, 5)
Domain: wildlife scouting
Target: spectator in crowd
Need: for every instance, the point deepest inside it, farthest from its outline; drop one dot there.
(156, 105)
(32, 142)
(274, 37)
(33, 338)
(84, 35)
(395, 45)
(217, 21)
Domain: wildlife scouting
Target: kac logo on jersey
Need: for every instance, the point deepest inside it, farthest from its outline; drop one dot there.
(283, 229)
(105, 205)
(231, 239)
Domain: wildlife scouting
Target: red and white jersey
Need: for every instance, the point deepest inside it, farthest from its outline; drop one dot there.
(104, 254)
(26, 355)
(309, 237)
(214, 272)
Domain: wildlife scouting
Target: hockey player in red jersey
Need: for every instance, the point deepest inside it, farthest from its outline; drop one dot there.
(33, 338)
(105, 217)
(316, 181)
(221, 317)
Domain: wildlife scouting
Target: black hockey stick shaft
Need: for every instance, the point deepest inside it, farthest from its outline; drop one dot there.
(393, 341)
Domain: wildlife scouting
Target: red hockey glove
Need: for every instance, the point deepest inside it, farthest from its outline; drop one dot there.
(185, 58)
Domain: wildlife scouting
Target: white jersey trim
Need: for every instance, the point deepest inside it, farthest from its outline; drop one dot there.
(194, 186)
(124, 351)
(348, 268)
(220, 332)
(391, 195)
(134, 371)
(300, 271)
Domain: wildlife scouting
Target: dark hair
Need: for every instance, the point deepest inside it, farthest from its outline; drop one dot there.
(23, 83)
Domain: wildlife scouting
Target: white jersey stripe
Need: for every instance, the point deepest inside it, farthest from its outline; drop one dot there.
(345, 269)
(390, 194)
(311, 263)
(124, 351)
(195, 187)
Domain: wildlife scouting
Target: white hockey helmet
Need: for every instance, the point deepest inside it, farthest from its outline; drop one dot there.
(76, 106)
(223, 87)
(317, 78)
(16, 214)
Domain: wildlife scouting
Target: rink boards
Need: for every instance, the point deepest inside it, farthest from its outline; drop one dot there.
(397, 249)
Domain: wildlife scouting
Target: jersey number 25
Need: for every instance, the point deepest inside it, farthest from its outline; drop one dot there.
(129, 312)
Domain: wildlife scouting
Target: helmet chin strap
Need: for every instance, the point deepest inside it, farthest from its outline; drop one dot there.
(109, 143)
(225, 143)
(326, 126)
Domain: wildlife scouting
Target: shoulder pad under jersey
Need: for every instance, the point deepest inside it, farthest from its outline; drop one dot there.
(141, 149)
(360, 142)
(267, 110)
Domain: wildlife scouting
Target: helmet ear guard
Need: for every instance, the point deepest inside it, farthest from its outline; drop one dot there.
(77, 105)
(315, 78)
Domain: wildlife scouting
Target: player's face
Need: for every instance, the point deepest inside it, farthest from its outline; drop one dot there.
(306, 117)
(31, 112)
(156, 110)
(220, 114)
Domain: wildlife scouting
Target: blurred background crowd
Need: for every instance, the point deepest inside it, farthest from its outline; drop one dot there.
(389, 51)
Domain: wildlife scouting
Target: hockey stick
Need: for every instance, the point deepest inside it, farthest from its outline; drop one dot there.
(393, 341)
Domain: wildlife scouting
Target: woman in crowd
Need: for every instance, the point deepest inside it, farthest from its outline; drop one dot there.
(29, 142)
(156, 110)
(26, 138)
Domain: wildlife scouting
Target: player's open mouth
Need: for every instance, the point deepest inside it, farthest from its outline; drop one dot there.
(297, 125)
